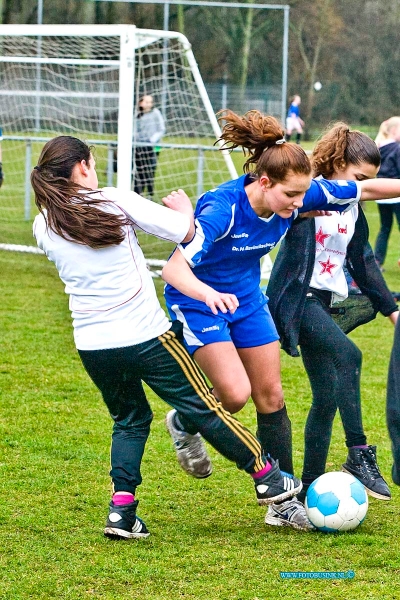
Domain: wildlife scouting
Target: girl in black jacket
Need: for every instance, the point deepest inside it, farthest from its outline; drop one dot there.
(302, 294)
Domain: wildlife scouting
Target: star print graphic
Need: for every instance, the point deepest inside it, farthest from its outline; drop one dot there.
(327, 266)
(320, 237)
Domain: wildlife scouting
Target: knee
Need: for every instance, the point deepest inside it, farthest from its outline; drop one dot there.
(270, 399)
(233, 400)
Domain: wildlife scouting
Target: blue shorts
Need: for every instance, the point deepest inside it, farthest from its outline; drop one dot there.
(251, 324)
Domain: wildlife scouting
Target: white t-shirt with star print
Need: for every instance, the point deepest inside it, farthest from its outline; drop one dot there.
(332, 236)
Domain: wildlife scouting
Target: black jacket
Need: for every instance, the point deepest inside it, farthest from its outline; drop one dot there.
(390, 161)
(293, 268)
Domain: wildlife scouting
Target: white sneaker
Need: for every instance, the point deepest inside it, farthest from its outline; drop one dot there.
(190, 450)
(290, 513)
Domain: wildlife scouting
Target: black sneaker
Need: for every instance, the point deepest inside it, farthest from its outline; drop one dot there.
(361, 463)
(122, 523)
(276, 485)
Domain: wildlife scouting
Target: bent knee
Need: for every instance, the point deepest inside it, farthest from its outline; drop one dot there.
(233, 400)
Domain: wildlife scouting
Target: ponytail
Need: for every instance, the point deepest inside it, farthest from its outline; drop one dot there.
(263, 140)
(340, 147)
(71, 212)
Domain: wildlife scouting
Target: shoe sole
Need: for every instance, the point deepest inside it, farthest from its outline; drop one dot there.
(277, 522)
(120, 534)
(196, 476)
(283, 496)
(369, 492)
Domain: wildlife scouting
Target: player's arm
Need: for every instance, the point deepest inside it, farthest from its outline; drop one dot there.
(174, 223)
(180, 202)
(379, 189)
(178, 273)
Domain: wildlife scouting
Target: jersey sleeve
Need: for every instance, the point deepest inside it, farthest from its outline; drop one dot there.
(149, 216)
(324, 194)
(214, 219)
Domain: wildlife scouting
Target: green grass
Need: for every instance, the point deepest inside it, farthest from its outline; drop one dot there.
(208, 540)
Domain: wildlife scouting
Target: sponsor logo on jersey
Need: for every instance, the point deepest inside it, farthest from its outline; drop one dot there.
(239, 235)
(341, 229)
(258, 247)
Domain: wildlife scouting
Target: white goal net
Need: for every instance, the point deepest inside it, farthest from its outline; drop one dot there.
(87, 81)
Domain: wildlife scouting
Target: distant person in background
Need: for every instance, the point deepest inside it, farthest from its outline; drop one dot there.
(1, 160)
(150, 128)
(388, 142)
(293, 121)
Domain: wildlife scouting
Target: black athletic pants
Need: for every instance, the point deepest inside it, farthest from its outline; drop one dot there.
(393, 404)
(333, 365)
(386, 212)
(145, 170)
(164, 364)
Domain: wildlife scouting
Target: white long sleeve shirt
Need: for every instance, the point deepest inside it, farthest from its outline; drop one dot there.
(113, 301)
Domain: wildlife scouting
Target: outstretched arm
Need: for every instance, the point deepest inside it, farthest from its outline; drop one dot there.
(379, 189)
(180, 201)
(178, 273)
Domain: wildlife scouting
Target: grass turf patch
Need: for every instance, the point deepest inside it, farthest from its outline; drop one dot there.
(208, 539)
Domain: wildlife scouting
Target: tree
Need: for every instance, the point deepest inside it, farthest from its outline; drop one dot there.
(316, 28)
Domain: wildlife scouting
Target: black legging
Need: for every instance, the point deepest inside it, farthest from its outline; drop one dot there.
(386, 213)
(333, 365)
(145, 170)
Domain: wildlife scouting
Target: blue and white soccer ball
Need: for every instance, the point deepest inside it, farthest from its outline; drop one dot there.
(336, 502)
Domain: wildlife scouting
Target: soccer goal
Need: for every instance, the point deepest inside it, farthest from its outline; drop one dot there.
(86, 81)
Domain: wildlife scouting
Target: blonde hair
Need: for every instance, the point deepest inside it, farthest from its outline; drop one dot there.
(385, 130)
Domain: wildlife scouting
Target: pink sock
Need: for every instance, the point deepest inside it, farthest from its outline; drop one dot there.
(263, 471)
(122, 499)
(361, 446)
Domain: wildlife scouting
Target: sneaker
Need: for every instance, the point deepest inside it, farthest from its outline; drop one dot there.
(190, 450)
(276, 485)
(290, 513)
(361, 462)
(123, 524)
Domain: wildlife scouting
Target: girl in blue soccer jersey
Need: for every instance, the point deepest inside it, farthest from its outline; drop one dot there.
(121, 332)
(306, 294)
(213, 281)
(293, 121)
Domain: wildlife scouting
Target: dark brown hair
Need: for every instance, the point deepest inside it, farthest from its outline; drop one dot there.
(340, 147)
(71, 212)
(262, 139)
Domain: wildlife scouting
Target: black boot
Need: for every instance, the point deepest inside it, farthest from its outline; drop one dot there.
(361, 463)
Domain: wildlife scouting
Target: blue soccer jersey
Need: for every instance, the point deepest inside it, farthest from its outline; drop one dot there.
(294, 111)
(231, 238)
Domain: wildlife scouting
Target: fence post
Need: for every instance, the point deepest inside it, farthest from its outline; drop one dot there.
(28, 167)
(110, 165)
(200, 171)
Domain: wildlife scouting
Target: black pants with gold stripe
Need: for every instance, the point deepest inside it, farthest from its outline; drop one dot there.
(166, 367)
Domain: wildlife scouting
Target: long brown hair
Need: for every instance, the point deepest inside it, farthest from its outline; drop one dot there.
(71, 212)
(263, 140)
(340, 147)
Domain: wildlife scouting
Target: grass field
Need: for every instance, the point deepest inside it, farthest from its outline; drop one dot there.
(208, 538)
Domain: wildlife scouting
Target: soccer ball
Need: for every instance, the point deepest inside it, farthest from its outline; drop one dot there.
(336, 502)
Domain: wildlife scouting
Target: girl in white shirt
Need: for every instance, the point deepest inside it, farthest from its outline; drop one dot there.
(123, 336)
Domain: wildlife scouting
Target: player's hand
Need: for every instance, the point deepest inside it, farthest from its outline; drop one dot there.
(224, 302)
(1, 174)
(180, 201)
(315, 213)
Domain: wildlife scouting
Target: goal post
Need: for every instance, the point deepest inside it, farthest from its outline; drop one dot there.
(86, 81)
